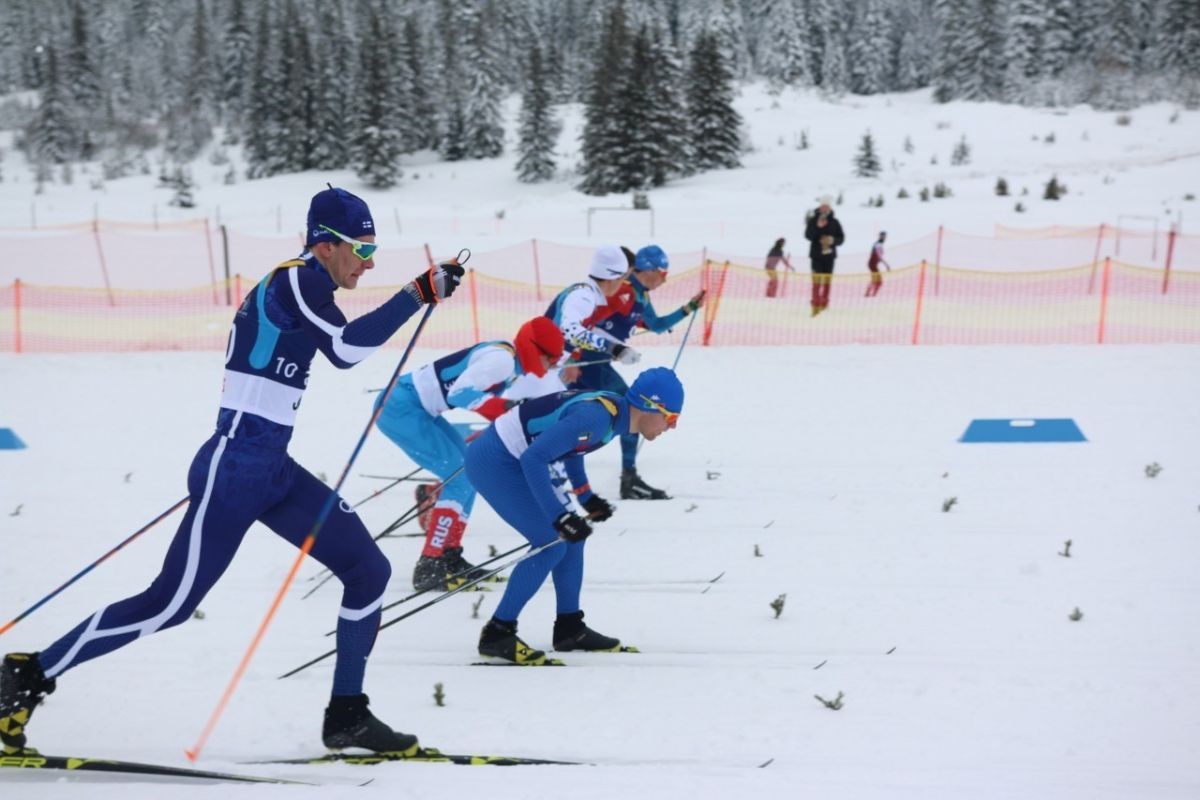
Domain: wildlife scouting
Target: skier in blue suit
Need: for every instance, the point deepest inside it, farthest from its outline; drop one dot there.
(630, 307)
(243, 474)
(510, 466)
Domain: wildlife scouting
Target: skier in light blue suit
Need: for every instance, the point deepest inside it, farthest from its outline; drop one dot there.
(510, 466)
(243, 474)
(472, 378)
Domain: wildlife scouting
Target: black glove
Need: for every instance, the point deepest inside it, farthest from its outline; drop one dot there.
(572, 527)
(598, 508)
(625, 354)
(439, 282)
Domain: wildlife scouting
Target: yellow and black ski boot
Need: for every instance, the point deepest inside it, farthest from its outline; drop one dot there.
(499, 640)
(349, 723)
(23, 686)
(571, 634)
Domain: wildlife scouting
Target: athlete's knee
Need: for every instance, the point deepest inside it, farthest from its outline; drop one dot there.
(369, 574)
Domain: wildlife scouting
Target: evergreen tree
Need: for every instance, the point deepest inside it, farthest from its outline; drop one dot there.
(835, 75)
(666, 116)
(264, 99)
(538, 127)
(51, 137)
(483, 127)
(1058, 38)
(78, 65)
(604, 135)
(782, 53)
(714, 124)
(420, 130)
(190, 124)
(235, 62)
(871, 52)
(1021, 49)
(378, 142)
(866, 162)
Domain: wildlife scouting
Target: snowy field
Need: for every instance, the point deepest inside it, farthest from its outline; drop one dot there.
(948, 633)
(1131, 169)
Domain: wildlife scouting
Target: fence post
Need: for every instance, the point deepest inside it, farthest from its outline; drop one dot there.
(212, 267)
(1170, 253)
(428, 255)
(937, 264)
(103, 265)
(716, 305)
(238, 286)
(17, 315)
(1096, 259)
(916, 334)
(537, 271)
(474, 304)
(225, 253)
(1104, 299)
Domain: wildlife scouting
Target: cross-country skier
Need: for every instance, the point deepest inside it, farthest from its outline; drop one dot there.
(509, 466)
(628, 308)
(243, 474)
(472, 378)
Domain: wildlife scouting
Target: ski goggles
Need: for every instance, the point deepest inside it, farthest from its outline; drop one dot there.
(672, 417)
(362, 250)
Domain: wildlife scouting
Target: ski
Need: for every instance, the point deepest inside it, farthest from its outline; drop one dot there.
(429, 755)
(549, 662)
(34, 760)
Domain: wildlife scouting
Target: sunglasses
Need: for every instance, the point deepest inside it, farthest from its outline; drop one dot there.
(362, 250)
(671, 416)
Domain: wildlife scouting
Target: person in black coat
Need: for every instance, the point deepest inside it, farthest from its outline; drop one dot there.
(825, 233)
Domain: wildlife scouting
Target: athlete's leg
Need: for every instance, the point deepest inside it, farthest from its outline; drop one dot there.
(346, 548)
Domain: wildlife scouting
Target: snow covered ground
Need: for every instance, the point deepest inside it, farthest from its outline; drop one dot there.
(947, 632)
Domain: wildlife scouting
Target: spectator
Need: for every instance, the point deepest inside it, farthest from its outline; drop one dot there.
(825, 233)
(773, 258)
(873, 264)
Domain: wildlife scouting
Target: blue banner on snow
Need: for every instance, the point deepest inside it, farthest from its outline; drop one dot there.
(9, 440)
(1022, 430)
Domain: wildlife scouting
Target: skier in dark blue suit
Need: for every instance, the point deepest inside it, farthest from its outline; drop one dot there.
(630, 307)
(510, 466)
(243, 474)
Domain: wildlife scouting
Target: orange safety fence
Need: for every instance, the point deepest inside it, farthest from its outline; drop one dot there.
(921, 303)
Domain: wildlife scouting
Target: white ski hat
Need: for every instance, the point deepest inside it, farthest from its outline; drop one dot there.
(608, 262)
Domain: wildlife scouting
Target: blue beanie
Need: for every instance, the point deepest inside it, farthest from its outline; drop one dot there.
(338, 209)
(650, 257)
(660, 385)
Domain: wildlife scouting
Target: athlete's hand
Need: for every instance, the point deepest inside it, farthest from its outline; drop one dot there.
(439, 282)
(572, 527)
(625, 355)
(598, 508)
(695, 302)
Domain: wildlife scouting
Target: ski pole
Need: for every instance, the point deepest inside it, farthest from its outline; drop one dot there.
(306, 546)
(684, 342)
(460, 574)
(434, 601)
(378, 492)
(4, 628)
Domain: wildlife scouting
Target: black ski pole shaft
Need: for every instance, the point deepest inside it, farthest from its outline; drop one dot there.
(432, 602)
(682, 344)
(460, 574)
(8, 625)
(378, 492)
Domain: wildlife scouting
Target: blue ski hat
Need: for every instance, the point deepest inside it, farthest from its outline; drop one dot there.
(338, 209)
(650, 257)
(656, 386)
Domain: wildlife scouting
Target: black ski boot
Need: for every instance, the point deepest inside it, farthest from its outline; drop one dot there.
(431, 573)
(457, 565)
(634, 488)
(349, 723)
(571, 634)
(23, 686)
(499, 640)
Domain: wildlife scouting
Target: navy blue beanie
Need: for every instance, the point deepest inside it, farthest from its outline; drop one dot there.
(338, 209)
(660, 385)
